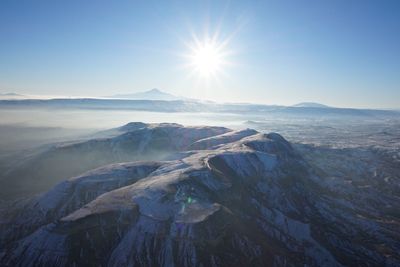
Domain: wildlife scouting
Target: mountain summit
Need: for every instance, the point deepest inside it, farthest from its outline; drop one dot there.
(153, 94)
(11, 96)
(310, 105)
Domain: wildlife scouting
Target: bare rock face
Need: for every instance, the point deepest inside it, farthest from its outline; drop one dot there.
(71, 194)
(222, 139)
(238, 199)
(131, 142)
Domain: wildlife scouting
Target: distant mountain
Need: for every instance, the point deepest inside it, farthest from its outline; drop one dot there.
(187, 105)
(153, 94)
(310, 105)
(11, 95)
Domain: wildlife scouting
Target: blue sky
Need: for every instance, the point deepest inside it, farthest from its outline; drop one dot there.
(340, 53)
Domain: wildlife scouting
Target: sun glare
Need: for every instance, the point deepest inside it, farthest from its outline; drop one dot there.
(207, 59)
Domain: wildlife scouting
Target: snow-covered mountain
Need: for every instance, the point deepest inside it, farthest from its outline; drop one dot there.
(229, 198)
(153, 94)
(12, 96)
(38, 171)
(310, 105)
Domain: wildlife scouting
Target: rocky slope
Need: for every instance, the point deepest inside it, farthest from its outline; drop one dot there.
(134, 141)
(235, 199)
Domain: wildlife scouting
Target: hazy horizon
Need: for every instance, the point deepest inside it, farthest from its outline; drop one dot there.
(18, 96)
(339, 53)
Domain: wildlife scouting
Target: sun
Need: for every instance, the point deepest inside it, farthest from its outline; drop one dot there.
(207, 59)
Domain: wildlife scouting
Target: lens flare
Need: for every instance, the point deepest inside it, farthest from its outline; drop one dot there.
(207, 59)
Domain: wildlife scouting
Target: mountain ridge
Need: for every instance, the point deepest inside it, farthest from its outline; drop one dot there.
(192, 106)
(152, 94)
(311, 105)
(235, 198)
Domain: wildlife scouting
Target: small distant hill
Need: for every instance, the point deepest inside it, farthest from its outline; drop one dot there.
(310, 105)
(11, 96)
(153, 94)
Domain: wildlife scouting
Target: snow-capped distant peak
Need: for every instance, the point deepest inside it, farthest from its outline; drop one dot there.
(310, 105)
(153, 94)
(11, 96)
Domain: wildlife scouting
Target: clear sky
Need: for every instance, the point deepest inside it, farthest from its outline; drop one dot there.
(341, 53)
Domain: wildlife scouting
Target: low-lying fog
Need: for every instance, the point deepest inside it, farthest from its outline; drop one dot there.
(27, 131)
(101, 119)
(25, 128)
